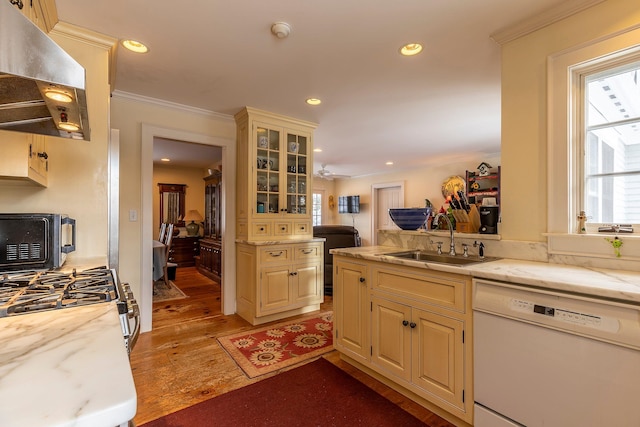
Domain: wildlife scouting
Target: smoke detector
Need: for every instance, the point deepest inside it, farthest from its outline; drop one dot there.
(281, 29)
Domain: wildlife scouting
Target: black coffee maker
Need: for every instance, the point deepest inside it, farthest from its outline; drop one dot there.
(489, 216)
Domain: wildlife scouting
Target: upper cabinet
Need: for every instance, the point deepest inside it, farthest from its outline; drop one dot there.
(24, 157)
(43, 13)
(212, 206)
(274, 176)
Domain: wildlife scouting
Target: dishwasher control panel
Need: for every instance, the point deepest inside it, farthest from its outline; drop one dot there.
(601, 319)
(590, 320)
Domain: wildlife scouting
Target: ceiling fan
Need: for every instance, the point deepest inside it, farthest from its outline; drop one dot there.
(324, 173)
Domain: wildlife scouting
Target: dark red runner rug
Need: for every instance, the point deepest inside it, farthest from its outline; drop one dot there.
(315, 394)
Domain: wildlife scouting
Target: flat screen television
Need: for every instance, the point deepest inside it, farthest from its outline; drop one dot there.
(349, 204)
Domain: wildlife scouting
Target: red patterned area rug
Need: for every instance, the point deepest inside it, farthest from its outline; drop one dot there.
(274, 347)
(314, 394)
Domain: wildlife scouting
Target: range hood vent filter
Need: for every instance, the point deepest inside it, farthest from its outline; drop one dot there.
(32, 64)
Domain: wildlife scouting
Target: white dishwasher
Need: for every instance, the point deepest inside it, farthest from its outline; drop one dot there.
(545, 358)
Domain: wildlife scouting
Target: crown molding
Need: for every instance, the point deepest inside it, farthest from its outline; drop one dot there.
(93, 38)
(171, 105)
(548, 17)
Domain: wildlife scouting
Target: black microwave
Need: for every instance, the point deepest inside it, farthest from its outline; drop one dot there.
(35, 241)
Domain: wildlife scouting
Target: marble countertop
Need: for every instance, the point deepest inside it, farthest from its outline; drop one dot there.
(65, 368)
(613, 284)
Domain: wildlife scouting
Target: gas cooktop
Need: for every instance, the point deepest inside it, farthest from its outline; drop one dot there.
(29, 291)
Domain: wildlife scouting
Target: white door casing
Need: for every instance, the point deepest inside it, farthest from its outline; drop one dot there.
(384, 197)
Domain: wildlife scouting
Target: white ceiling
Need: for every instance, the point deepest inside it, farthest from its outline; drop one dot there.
(185, 154)
(378, 106)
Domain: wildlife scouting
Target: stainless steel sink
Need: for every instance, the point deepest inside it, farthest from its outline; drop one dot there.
(441, 259)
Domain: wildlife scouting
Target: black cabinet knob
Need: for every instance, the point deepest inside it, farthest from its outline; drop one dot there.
(405, 322)
(362, 280)
(413, 325)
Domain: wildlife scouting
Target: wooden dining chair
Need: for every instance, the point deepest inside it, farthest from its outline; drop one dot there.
(167, 241)
(163, 231)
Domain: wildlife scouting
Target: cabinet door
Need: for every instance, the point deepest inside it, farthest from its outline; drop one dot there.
(391, 328)
(275, 289)
(307, 287)
(352, 309)
(267, 181)
(296, 156)
(438, 356)
(38, 157)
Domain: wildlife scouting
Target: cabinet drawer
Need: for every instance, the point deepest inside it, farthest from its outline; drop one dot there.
(436, 290)
(277, 255)
(308, 252)
(302, 227)
(282, 229)
(262, 229)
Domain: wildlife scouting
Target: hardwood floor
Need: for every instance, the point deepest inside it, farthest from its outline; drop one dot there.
(180, 362)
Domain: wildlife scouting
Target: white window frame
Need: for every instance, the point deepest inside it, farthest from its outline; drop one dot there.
(565, 164)
(322, 205)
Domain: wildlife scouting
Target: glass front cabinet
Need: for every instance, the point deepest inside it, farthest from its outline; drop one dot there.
(274, 168)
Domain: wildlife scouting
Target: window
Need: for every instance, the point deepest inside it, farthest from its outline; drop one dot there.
(317, 209)
(611, 144)
(593, 146)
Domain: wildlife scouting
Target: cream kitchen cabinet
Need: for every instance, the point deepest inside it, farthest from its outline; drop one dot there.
(420, 347)
(278, 281)
(24, 157)
(274, 170)
(418, 324)
(43, 13)
(351, 308)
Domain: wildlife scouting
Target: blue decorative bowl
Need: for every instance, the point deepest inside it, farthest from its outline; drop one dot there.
(409, 218)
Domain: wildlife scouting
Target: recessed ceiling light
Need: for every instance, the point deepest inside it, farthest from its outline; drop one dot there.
(313, 101)
(411, 49)
(135, 46)
(389, 163)
(58, 95)
(317, 150)
(69, 127)
(164, 159)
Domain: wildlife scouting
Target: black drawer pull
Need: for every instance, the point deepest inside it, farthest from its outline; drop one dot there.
(273, 254)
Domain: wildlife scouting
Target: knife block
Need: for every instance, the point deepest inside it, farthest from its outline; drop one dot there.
(471, 226)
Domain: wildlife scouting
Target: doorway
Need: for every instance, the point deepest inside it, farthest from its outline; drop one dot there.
(149, 133)
(383, 198)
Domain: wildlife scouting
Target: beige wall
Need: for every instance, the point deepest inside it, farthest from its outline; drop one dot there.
(419, 184)
(194, 197)
(129, 114)
(77, 169)
(524, 111)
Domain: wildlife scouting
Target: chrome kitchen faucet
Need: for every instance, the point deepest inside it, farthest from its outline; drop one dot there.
(452, 246)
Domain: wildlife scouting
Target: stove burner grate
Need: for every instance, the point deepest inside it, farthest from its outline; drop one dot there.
(32, 291)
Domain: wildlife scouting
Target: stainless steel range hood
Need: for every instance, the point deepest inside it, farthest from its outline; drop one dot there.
(33, 68)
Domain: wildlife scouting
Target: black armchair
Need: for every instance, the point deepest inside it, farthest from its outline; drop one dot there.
(337, 236)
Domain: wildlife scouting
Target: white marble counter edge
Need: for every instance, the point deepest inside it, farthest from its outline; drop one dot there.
(72, 363)
(611, 284)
